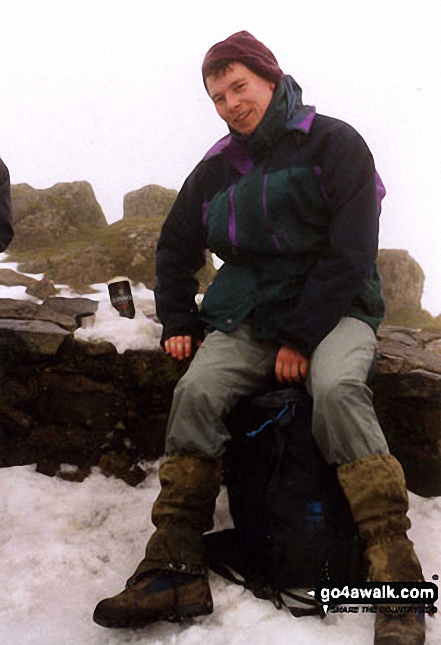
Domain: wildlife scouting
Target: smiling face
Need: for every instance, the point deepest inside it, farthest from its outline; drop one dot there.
(240, 96)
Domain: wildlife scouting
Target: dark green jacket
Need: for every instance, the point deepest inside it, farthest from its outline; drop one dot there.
(293, 211)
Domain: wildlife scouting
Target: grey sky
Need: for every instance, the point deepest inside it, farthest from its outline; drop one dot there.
(110, 91)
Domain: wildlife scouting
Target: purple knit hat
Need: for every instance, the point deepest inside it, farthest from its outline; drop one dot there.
(244, 48)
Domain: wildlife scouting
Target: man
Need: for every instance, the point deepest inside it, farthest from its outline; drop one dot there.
(6, 230)
(289, 200)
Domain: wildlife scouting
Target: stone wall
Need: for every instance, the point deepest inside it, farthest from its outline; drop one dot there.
(65, 401)
(407, 398)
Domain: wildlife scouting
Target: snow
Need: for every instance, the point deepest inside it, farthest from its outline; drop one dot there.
(140, 332)
(64, 546)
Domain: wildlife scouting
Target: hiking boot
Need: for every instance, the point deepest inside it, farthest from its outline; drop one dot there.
(171, 581)
(156, 596)
(376, 491)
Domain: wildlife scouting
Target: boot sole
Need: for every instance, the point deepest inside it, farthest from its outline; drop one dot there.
(176, 616)
(187, 613)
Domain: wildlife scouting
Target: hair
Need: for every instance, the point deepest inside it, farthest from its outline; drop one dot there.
(217, 67)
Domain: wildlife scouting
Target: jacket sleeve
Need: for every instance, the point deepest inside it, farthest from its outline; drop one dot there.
(6, 230)
(180, 254)
(337, 277)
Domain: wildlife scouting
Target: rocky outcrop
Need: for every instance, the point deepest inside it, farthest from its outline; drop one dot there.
(403, 279)
(66, 401)
(61, 232)
(152, 202)
(403, 285)
(44, 217)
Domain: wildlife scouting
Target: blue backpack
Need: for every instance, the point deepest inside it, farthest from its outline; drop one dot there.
(293, 527)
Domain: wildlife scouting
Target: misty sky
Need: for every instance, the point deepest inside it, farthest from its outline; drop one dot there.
(110, 91)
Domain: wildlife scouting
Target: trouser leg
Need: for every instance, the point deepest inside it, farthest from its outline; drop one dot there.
(347, 432)
(345, 425)
(225, 368)
(229, 366)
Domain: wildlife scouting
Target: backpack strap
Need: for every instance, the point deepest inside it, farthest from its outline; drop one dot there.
(226, 572)
(314, 609)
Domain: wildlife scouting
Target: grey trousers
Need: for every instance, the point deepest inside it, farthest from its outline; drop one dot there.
(231, 365)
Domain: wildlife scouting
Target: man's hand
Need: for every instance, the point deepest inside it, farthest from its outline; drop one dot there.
(180, 346)
(291, 366)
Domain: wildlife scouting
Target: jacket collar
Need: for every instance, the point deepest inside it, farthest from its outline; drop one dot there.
(285, 112)
(298, 116)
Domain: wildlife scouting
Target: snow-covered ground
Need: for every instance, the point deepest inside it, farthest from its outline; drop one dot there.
(64, 546)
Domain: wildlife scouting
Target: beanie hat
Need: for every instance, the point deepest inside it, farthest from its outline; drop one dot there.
(243, 48)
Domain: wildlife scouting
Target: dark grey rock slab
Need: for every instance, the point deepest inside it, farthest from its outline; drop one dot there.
(35, 336)
(65, 312)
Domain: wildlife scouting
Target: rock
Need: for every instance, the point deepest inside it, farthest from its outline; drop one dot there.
(435, 347)
(40, 338)
(407, 396)
(18, 309)
(102, 348)
(151, 202)
(65, 312)
(42, 289)
(413, 352)
(68, 472)
(10, 278)
(76, 307)
(403, 280)
(425, 335)
(410, 347)
(46, 217)
(114, 464)
(403, 284)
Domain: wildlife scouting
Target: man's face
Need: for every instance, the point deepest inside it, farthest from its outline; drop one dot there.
(240, 96)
